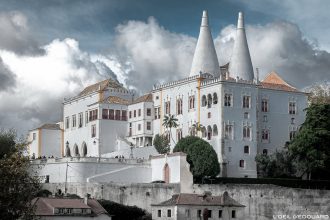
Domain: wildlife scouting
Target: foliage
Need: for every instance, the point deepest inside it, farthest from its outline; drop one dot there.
(310, 147)
(277, 165)
(43, 193)
(201, 156)
(170, 121)
(184, 143)
(319, 94)
(161, 144)
(17, 187)
(122, 212)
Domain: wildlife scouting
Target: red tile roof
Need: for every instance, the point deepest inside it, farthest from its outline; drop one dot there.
(201, 200)
(274, 81)
(115, 100)
(144, 98)
(108, 83)
(45, 206)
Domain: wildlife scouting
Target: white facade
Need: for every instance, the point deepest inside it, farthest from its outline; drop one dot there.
(45, 141)
(240, 115)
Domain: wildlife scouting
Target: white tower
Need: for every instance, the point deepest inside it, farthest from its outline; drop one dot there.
(240, 64)
(205, 57)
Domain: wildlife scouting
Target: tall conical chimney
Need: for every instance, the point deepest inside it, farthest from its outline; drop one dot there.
(240, 63)
(205, 57)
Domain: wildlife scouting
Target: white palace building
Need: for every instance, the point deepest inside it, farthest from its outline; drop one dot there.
(241, 116)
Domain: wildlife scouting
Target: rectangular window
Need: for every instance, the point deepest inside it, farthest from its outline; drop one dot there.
(169, 213)
(229, 132)
(124, 115)
(156, 113)
(220, 214)
(130, 114)
(265, 118)
(228, 100)
(209, 213)
(67, 122)
(117, 115)
(111, 114)
(167, 107)
(134, 113)
(148, 111)
(199, 213)
(179, 134)
(80, 119)
(93, 131)
(246, 101)
(105, 114)
(292, 108)
(209, 115)
(130, 130)
(233, 214)
(159, 213)
(139, 112)
(74, 121)
(139, 127)
(191, 102)
(148, 125)
(34, 136)
(241, 163)
(264, 105)
(93, 115)
(246, 149)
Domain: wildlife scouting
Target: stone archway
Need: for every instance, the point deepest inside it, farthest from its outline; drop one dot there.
(84, 149)
(76, 151)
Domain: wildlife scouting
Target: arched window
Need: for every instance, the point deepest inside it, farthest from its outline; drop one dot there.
(179, 106)
(246, 132)
(166, 171)
(204, 132)
(191, 102)
(209, 100)
(204, 101)
(209, 132)
(84, 149)
(215, 98)
(76, 150)
(192, 131)
(215, 130)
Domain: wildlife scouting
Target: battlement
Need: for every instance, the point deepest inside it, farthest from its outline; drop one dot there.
(135, 161)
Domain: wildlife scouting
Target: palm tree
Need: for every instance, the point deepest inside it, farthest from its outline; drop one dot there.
(170, 121)
(198, 127)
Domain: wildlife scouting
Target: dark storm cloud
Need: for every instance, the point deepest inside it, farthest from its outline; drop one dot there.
(15, 35)
(7, 78)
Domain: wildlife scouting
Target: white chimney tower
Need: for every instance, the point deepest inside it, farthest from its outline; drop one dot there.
(205, 57)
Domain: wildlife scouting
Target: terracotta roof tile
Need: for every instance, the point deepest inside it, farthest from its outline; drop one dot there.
(45, 206)
(274, 81)
(144, 98)
(115, 100)
(108, 83)
(201, 200)
(48, 126)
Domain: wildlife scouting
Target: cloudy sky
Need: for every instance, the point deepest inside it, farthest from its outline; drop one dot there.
(52, 49)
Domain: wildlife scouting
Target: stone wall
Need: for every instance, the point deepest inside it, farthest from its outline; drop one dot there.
(261, 201)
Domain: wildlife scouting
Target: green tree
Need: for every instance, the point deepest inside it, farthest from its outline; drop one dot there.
(161, 144)
(170, 121)
(17, 187)
(276, 165)
(319, 94)
(201, 156)
(310, 147)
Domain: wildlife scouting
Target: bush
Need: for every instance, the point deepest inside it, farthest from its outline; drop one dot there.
(161, 144)
(201, 156)
(122, 212)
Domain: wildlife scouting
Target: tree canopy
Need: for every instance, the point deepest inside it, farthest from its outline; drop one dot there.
(170, 121)
(310, 147)
(17, 187)
(161, 144)
(201, 156)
